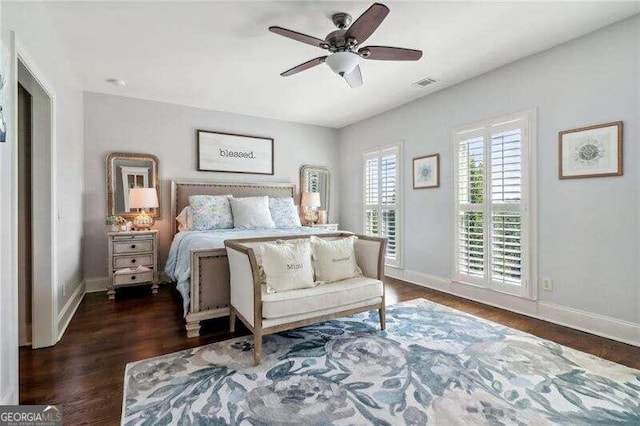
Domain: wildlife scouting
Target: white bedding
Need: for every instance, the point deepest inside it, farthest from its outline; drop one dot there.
(178, 266)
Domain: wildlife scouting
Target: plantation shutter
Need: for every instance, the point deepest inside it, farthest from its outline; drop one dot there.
(506, 197)
(470, 220)
(491, 214)
(381, 192)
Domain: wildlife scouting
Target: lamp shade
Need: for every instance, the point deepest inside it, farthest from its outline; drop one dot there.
(342, 63)
(143, 198)
(310, 199)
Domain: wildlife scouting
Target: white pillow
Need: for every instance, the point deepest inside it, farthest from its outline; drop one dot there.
(251, 213)
(334, 260)
(185, 219)
(287, 266)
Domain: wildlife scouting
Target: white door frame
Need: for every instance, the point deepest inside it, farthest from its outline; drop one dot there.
(45, 296)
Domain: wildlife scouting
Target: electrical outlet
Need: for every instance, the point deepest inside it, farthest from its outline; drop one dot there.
(547, 284)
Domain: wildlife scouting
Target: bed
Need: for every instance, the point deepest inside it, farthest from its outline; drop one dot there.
(197, 260)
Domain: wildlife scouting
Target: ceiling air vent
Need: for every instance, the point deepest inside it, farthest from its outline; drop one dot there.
(425, 82)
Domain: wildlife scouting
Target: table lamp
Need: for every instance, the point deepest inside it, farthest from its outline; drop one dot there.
(143, 199)
(309, 202)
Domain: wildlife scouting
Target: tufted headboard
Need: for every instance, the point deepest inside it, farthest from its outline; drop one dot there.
(181, 190)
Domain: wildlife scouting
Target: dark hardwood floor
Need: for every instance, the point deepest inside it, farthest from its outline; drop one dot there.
(84, 372)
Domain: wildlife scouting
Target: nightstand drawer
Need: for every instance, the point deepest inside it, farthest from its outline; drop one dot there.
(134, 246)
(125, 279)
(129, 261)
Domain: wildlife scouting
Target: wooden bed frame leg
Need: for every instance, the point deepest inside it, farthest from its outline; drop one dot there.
(193, 328)
(383, 318)
(232, 320)
(257, 348)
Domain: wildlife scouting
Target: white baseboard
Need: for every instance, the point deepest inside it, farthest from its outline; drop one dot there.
(95, 285)
(600, 325)
(69, 309)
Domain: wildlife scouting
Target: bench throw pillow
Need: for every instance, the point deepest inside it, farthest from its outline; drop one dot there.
(210, 212)
(284, 212)
(334, 260)
(287, 266)
(251, 213)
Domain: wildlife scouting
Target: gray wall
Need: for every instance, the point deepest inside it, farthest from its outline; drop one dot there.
(588, 229)
(115, 123)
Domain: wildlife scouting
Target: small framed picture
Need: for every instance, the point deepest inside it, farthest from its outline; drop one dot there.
(426, 172)
(225, 152)
(594, 151)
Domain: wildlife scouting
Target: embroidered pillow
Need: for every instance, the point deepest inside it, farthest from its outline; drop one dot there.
(185, 219)
(284, 212)
(210, 212)
(287, 266)
(334, 260)
(251, 213)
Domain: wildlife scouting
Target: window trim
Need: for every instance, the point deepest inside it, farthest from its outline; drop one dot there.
(529, 288)
(399, 262)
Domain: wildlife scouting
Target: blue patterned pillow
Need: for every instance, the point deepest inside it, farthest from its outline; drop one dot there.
(211, 212)
(284, 212)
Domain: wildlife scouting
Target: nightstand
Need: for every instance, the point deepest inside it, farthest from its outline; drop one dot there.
(327, 226)
(133, 260)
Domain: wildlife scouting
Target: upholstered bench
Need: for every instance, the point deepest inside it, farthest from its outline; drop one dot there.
(267, 313)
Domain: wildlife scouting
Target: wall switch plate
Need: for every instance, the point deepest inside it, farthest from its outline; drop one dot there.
(64, 289)
(547, 284)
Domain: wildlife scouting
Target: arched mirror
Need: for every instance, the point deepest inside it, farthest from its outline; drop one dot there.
(317, 179)
(126, 171)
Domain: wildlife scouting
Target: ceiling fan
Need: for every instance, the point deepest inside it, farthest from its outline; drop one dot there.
(344, 45)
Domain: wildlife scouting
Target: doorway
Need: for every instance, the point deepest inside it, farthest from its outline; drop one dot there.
(37, 309)
(25, 215)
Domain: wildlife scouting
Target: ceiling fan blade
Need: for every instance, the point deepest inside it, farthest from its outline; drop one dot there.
(385, 53)
(354, 78)
(294, 35)
(367, 23)
(309, 64)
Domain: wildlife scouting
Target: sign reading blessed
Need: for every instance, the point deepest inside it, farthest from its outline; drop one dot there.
(223, 152)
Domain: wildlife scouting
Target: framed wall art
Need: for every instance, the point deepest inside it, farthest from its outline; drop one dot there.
(426, 172)
(231, 153)
(594, 151)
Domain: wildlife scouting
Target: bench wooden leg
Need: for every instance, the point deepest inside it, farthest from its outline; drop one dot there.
(383, 319)
(232, 320)
(257, 348)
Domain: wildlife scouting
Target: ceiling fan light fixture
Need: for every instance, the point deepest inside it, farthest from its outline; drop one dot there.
(342, 63)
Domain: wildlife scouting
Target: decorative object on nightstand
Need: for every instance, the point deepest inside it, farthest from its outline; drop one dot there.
(133, 260)
(115, 222)
(327, 226)
(322, 217)
(310, 202)
(143, 198)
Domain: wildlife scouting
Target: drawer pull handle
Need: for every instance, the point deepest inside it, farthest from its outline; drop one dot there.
(133, 246)
(133, 261)
(133, 277)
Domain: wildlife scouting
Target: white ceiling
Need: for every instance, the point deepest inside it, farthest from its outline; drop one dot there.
(219, 55)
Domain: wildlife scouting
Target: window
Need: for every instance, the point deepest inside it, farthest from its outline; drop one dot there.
(492, 224)
(381, 199)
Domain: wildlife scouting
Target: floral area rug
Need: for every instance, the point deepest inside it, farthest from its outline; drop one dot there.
(433, 365)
